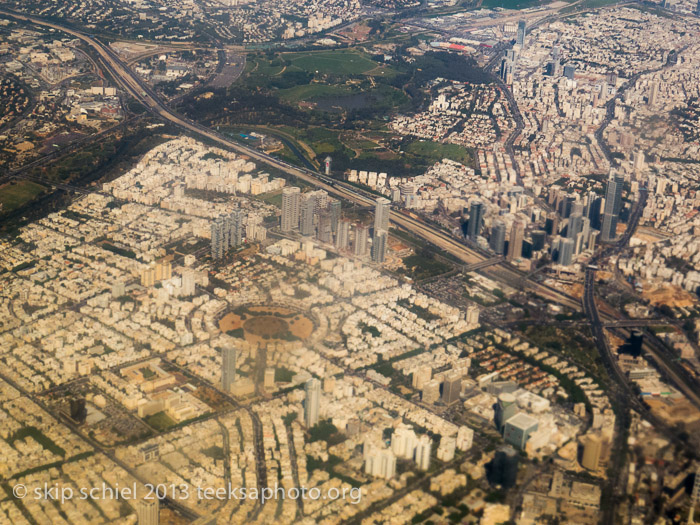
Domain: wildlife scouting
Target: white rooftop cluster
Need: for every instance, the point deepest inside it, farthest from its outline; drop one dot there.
(465, 114)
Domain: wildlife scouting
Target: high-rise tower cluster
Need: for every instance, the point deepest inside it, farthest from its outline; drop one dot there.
(315, 214)
(311, 214)
(226, 233)
(578, 221)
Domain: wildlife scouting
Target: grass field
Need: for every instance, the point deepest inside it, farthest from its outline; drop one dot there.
(160, 421)
(321, 140)
(273, 197)
(336, 62)
(262, 66)
(436, 151)
(15, 194)
(312, 91)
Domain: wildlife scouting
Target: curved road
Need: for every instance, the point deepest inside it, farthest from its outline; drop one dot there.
(626, 398)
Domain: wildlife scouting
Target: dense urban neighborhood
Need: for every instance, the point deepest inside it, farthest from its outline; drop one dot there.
(349, 262)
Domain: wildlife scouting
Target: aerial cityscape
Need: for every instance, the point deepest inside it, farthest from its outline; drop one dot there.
(350, 262)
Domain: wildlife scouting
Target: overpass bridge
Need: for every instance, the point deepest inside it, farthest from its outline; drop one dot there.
(482, 264)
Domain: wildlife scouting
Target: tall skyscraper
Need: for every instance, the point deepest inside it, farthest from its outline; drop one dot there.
(452, 388)
(324, 231)
(566, 252)
(505, 409)
(312, 403)
(422, 454)
(342, 239)
(585, 228)
(520, 35)
(148, 511)
(592, 447)
(379, 246)
(236, 225)
(566, 205)
(334, 208)
(576, 208)
(382, 210)
(507, 69)
(308, 209)
(497, 241)
(322, 200)
(575, 225)
(554, 66)
(639, 161)
(593, 209)
(404, 442)
(379, 462)
(219, 238)
(291, 197)
(361, 236)
(188, 282)
(226, 232)
(515, 245)
(592, 236)
(421, 376)
(476, 219)
(538, 240)
(613, 206)
(551, 223)
(431, 391)
(228, 367)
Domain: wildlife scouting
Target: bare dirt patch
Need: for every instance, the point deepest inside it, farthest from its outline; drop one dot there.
(667, 294)
(266, 326)
(258, 324)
